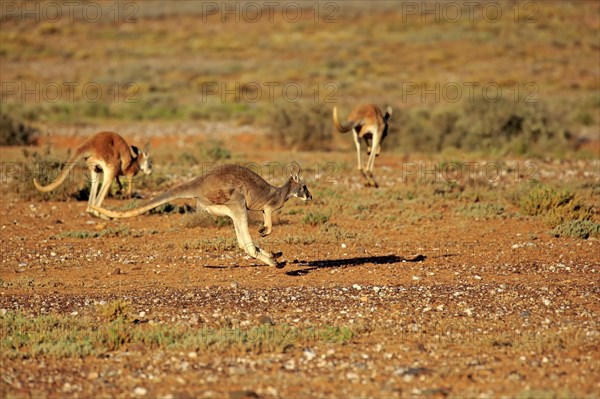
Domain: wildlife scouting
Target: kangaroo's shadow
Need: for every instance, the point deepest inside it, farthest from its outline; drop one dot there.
(350, 262)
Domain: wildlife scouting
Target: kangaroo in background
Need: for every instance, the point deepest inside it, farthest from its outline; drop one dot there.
(231, 190)
(369, 123)
(109, 154)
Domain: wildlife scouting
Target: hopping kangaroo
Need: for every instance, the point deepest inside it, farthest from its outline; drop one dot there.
(231, 190)
(369, 123)
(109, 154)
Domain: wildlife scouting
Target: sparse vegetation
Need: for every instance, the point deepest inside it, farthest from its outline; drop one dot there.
(203, 219)
(482, 210)
(213, 245)
(66, 336)
(120, 231)
(295, 240)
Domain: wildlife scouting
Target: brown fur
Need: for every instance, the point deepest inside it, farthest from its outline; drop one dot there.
(109, 153)
(369, 123)
(230, 190)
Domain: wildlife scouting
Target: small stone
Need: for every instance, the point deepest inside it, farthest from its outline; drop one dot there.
(262, 319)
(546, 301)
(525, 313)
(115, 272)
(92, 375)
(290, 365)
(140, 391)
(351, 376)
(357, 287)
(309, 354)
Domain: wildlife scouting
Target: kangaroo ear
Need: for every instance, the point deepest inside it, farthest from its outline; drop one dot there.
(134, 151)
(388, 112)
(294, 169)
(147, 147)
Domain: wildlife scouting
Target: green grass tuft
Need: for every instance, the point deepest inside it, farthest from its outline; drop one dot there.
(315, 218)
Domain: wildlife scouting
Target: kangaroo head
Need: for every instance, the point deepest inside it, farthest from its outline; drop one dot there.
(299, 189)
(143, 159)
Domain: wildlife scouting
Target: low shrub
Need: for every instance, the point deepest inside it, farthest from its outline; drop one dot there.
(577, 228)
(302, 126)
(16, 133)
(481, 125)
(556, 207)
(43, 166)
(215, 151)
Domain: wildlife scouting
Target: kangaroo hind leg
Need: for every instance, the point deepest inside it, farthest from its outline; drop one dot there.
(239, 215)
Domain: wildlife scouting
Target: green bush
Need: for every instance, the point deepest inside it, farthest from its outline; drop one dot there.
(16, 133)
(215, 151)
(480, 125)
(556, 207)
(43, 166)
(302, 126)
(518, 124)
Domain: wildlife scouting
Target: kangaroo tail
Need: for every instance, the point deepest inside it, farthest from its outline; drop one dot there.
(63, 174)
(178, 192)
(342, 128)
